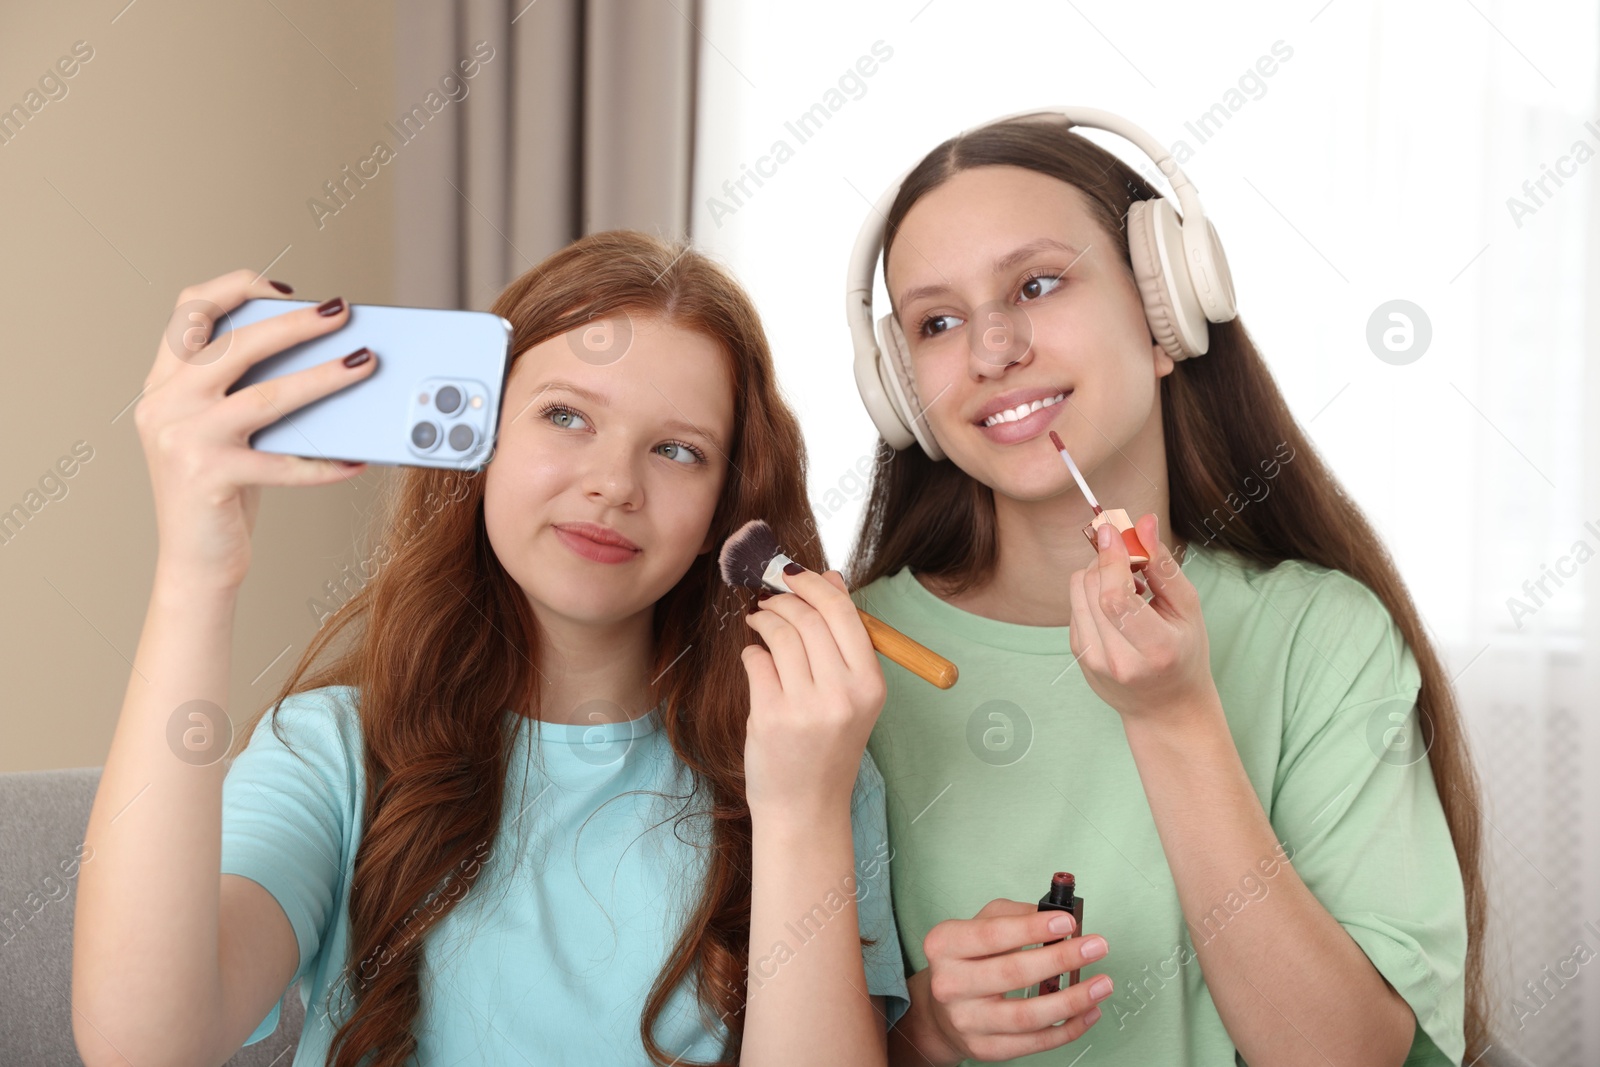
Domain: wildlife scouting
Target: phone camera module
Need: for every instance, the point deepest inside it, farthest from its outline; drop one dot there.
(448, 421)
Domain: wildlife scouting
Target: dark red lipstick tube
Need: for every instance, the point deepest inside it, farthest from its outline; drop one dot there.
(1062, 897)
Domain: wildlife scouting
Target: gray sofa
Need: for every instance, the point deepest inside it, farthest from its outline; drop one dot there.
(43, 815)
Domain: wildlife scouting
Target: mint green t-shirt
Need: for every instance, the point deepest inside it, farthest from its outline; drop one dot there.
(1020, 770)
(548, 959)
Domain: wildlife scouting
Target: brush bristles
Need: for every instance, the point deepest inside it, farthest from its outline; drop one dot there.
(745, 555)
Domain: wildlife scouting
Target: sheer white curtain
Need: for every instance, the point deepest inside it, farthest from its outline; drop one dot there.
(1376, 162)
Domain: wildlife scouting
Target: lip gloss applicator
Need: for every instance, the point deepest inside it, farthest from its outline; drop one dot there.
(1118, 518)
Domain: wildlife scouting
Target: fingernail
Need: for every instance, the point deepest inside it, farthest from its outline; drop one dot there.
(1093, 948)
(1061, 924)
(1090, 1016)
(763, 594)
(1103, 535)
(331, 307)
(358, 357)
(792, 568)
(282, 287)
(1100, 988)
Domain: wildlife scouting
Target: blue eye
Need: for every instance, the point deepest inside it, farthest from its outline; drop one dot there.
(694, 454)
(555, 412)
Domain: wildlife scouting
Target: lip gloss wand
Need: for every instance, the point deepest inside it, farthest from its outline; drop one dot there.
(1118, 518)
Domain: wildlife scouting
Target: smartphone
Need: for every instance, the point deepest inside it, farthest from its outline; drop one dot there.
(434, 400)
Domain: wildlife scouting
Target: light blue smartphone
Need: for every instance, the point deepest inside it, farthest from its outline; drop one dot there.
(434, 400)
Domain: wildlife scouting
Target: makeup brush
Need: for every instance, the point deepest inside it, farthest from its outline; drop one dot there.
(750, 560)
(1118, 518)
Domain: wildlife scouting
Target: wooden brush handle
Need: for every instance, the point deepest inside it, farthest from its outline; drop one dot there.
(916, 658)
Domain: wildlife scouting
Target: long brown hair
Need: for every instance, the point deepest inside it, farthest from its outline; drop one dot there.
(940, 521)
(445, 643)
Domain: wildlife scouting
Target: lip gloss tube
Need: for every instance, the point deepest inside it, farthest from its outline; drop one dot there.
(1062, 897)
(1118, 518)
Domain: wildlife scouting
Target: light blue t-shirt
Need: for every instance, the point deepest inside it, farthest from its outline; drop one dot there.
(549, 957)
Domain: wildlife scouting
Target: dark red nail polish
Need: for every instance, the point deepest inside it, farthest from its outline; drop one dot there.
(358, 357)
(763, 594)
(282, 287)
(792, 567)
(331, 307)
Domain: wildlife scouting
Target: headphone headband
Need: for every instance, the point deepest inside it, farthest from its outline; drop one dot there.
(1178, 263)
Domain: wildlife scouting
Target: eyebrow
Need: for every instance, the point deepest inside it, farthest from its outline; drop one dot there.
(680, 425)
(1005, 263)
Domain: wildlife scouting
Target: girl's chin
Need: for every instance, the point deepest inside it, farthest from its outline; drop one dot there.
(579, 594)
(1026, 479)
(586, 612)
(1017, 494)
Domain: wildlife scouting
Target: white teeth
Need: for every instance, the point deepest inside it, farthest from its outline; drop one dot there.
(1022, 411)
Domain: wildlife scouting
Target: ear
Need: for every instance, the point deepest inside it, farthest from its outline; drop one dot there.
(1163, 362)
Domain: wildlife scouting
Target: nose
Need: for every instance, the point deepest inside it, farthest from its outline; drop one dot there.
(611, 479)
(999, 336)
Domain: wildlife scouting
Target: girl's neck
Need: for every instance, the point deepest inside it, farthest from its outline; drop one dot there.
(591, 673)
(1040, 543)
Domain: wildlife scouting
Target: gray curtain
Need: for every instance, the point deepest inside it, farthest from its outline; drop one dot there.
(580, 119)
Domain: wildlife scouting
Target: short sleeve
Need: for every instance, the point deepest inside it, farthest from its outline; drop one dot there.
(883, 962)
(1357, 809)
(286, 813)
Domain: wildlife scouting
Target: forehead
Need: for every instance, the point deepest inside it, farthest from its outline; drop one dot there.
(665, 372)
(976, 217)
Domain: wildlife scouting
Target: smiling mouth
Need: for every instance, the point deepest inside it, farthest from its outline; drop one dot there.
(1022, 411)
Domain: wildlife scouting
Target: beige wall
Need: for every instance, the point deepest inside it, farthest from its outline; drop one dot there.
(188, 145)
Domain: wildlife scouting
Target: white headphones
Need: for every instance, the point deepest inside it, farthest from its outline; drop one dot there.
(1179, 264)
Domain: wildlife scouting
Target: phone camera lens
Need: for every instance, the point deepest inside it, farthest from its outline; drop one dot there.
(461, 437)
(424, 435)
(448, 399)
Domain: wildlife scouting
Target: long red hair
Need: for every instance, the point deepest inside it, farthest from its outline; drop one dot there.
(440, 644)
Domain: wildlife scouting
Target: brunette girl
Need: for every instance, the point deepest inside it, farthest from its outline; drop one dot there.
(1258, 775)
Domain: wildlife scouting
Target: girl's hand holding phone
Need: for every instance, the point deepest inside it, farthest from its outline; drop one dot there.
(205, 476)
(972, 965)
(152, 902)
(815, 692)
(1150, 660)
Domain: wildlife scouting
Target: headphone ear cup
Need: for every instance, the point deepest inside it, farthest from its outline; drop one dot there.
(1142, 250)
(902, 385)
(1161, 302)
